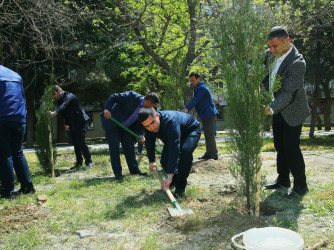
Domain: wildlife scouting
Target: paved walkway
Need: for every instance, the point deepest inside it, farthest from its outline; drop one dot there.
(224, 138)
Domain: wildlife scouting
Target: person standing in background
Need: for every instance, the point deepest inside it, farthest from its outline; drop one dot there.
(206, 110)
(76, 123)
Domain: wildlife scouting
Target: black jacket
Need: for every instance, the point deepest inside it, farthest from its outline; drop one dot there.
(69, 106)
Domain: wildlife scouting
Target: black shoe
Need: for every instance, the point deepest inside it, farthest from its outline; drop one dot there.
(204, 157)
(208, 157)
(278, 184)
(179, 192)
(297, 191)
(25, 190)
(76, 166)
(119, 177)
(139, 172)
(7, 196)
(212, 157)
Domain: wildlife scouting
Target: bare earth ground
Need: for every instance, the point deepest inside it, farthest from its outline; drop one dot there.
(216, 216)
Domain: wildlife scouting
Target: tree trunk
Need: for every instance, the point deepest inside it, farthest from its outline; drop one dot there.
(52, 167)
(191, 54)
(258, 186)
(318, 77)
(30, 119)
(314, 105)
(327, 106)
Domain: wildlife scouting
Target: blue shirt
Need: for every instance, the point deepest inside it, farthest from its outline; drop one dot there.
(174, 126)
(203, 102)
(12, 97)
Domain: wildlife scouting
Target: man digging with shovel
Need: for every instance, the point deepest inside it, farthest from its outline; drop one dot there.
(124, 108)
(180, 133)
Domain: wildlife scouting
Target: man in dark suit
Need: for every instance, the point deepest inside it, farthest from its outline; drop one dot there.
(289, 109)
(206, 110)
(124, 107)
(75, 123)
(180, 134)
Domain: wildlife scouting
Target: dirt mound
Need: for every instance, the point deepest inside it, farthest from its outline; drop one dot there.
(211, 165)
(18, 217)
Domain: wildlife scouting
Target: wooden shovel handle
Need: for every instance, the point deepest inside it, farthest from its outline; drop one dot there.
(168, 192)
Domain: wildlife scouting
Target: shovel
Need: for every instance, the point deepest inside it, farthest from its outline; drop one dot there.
(131, 132)
(177, 211)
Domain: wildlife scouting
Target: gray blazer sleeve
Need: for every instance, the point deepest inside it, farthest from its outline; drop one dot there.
(291, 83)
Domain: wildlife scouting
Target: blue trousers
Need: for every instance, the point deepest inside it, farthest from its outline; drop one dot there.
(12, 157)
(187, 146)
(115, 136)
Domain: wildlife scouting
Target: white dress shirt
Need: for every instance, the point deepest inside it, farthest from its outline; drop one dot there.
(277, 64)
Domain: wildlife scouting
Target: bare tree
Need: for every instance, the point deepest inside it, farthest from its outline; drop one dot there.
(33, 35)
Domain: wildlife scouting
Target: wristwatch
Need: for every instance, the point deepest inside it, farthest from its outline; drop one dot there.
(168, 177)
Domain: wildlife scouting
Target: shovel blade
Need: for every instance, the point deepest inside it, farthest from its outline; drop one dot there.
(179, 212)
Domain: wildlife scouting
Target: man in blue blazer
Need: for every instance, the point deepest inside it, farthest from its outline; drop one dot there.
(180, 134)
(206, 110)
(124, 107)
(12, 130)
(289, 109)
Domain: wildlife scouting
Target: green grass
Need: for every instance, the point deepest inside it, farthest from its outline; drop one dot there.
(306, 143)
(136, 207)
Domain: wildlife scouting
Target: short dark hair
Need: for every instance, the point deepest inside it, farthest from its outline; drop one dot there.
(57, 88)
(196, 75)
(279, 32)
(145, 112)
(152, 97)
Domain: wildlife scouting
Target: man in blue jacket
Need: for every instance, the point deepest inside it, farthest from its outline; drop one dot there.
(206, 110)
(124, 107)
(180, 134)
(76, 123)
(12, 130)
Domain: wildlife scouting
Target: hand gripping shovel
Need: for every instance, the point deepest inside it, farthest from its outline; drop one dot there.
(177, 211)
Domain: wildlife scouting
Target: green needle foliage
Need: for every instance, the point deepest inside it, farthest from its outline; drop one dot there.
(240, 34)
(42, 132)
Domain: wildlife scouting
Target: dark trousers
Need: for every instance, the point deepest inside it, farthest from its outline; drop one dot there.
(209, 134)
(289, 155)
(80, 146)
(12, 157)
(115, 136)
(140, 147)
(187, 147)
